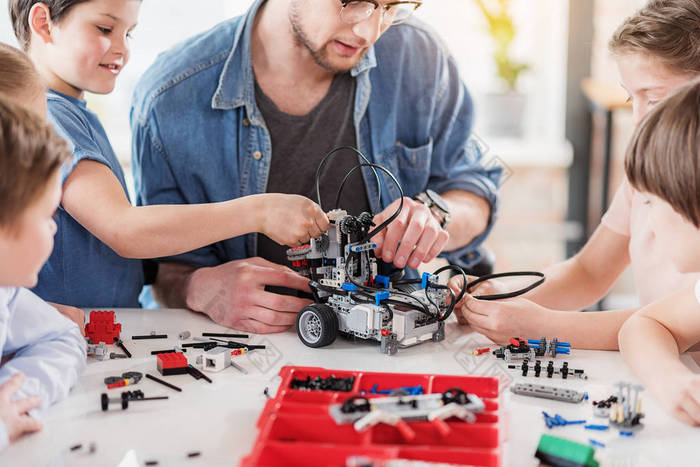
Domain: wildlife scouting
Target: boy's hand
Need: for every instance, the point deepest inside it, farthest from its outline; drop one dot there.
(683, 399)
(14, 413)
(500, 320)
(72, 313)
(292, 219)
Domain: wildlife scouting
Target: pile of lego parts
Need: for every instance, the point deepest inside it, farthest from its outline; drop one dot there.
(560, 452)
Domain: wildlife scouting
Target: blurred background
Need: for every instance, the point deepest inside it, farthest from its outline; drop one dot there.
(549, 108)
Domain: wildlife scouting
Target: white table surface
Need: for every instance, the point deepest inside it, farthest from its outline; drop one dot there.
(219, 419)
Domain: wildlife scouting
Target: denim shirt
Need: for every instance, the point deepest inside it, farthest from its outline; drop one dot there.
(83, 271)
(199, 137)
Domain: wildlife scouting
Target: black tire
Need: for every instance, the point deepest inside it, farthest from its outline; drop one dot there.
(317, 325)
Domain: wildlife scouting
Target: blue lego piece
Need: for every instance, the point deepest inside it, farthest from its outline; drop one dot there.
(597, 427)
(350, 287)
(558, 420)
(410, 390)
(382, 280)
(424, 280)
(384, 295)
(626, 433)
(536, 342)
(596, 443)
(585, 396)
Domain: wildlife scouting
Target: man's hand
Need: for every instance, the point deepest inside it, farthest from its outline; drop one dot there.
(414, 237)
(72, 313)
(291, 219)
(234, 295)
(14, 413)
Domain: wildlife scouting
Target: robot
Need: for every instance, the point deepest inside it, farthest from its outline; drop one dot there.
(353, 300)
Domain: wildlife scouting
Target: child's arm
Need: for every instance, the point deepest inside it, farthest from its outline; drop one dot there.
(499, 320)
(651, 342)
(546, 310)
(93, 196)
(48, 348)
(585, 278)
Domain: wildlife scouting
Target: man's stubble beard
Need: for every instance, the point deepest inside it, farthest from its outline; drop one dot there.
(320, 55)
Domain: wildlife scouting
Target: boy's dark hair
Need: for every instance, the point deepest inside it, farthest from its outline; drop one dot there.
(664, 156)
(18, 77)
(30, 153)
(19, 13)
(665, 29)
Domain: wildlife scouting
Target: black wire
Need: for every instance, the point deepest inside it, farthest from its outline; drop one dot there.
(384, 224)
(364, 158)
(465, 287)
(514, 294)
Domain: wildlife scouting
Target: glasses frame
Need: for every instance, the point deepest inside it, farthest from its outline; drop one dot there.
(385, 7)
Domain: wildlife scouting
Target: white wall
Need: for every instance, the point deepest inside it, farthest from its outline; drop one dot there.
(541, 42)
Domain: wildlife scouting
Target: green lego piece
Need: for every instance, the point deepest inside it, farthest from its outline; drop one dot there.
(562, 452)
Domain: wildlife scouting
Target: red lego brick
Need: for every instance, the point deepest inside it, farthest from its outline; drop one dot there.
(102, 327)
(172, 363)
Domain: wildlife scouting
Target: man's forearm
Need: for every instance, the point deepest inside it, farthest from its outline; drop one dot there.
(469, 215)
(172, 283)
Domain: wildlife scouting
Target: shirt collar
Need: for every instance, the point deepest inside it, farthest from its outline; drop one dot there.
(237, 83)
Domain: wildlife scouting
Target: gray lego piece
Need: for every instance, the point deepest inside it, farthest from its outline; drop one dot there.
(548, 392)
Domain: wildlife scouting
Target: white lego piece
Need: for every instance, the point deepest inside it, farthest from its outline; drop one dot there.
(216, 359)
(452, 410)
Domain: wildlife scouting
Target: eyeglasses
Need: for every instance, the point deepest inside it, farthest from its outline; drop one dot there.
(356, 11)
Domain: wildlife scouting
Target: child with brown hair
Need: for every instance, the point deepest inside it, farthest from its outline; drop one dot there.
(21, 83)
(657, 50)
(46, 351)
(19, 80)
(663, 166)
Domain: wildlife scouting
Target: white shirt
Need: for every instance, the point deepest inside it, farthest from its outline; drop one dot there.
(48, 348)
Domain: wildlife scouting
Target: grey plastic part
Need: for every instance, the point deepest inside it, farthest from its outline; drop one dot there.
(547, 392)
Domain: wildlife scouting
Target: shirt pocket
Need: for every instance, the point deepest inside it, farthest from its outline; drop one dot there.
(410, 165)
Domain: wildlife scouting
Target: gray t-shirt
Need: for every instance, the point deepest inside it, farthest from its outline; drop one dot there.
(299, 143)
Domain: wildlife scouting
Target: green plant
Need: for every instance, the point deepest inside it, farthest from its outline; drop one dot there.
(502, 31)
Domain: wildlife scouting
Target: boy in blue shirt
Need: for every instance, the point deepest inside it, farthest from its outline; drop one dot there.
(81, 46)
(43, 351)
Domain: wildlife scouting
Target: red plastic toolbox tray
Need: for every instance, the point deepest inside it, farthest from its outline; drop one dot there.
(296, 428)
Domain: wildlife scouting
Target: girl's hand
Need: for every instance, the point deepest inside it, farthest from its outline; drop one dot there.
(682, 399)
(291, 219)
(491, 287)
(500, 320)
(14, 412)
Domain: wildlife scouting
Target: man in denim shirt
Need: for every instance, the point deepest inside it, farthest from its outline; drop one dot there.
(200, 136)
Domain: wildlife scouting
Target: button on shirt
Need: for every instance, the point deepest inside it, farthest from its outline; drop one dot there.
(191, 143)
(83, 271)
